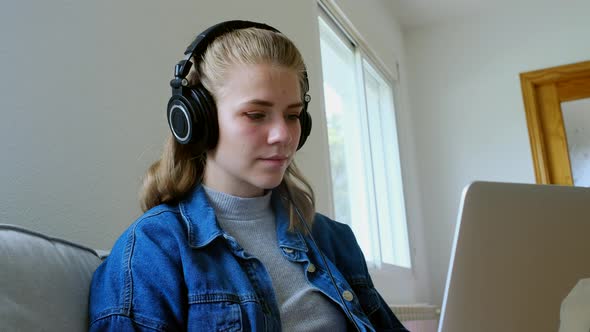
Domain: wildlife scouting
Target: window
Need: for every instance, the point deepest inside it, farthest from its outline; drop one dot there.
(364, 156)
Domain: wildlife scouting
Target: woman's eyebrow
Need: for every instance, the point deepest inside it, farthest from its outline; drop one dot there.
(265, 103)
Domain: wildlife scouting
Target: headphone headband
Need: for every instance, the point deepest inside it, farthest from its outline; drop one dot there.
(205, 38)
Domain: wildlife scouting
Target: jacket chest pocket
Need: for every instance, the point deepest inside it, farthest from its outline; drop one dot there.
(223, 316)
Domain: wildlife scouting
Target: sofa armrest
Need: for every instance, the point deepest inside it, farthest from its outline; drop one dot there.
(45, 281)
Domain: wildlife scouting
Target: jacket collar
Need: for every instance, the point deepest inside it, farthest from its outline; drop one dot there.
(199, 216)
(286, 239)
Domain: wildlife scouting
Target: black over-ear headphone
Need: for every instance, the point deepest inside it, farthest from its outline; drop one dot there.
(192, 114)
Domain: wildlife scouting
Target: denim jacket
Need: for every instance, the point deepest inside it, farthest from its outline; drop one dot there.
(175, 269)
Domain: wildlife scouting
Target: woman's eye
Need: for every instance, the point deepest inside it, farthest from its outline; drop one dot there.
(255, 115)
(293, 116)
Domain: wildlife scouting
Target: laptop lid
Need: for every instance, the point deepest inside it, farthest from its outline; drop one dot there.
(518, 251)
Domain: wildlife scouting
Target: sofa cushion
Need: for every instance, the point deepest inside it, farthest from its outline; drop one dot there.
(44, 282)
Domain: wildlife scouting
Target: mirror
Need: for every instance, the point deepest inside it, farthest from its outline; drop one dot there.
(576, 119)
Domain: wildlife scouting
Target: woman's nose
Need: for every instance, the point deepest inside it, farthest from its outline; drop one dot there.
(279, 132)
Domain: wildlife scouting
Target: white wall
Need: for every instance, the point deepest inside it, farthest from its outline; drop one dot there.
(83, 92)
(468, 112)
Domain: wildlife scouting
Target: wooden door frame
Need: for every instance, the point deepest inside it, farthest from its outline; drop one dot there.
(543, 92)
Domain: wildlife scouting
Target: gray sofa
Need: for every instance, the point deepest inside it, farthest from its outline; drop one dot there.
(44, 281)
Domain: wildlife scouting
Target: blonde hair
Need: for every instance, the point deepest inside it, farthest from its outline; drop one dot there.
(181, 167)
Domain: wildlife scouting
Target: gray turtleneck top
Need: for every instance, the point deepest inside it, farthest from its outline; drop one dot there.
(251, 221)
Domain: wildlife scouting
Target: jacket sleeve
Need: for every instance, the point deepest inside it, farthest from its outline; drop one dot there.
(139, 287)
(383, 319)
(120, 323)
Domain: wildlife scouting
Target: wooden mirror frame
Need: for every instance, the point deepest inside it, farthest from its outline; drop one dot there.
(543, 92)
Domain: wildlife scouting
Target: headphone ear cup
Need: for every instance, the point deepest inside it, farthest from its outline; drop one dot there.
(207, 127)
(305, 121)
(180, 114)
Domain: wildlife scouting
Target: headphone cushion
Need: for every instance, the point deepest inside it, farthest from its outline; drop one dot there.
(206, 126)
(305, 120)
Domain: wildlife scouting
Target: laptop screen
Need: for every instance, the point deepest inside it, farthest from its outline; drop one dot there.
(518, 251)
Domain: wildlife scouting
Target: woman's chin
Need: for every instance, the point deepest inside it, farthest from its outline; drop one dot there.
(267, 183)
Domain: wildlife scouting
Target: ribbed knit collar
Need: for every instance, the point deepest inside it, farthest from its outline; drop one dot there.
(238, 208)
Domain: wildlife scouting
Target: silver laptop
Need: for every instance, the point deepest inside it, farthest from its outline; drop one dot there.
(519, 249)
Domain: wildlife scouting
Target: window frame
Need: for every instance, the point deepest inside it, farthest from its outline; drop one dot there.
(337, 22)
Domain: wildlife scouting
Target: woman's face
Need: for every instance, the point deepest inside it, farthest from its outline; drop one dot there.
(258, 111)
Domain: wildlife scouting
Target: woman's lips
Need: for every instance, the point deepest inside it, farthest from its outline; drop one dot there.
(275, 161)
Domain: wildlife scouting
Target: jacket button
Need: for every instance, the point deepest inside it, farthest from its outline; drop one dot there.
(288, 250)
(347, 295)
(311, 268)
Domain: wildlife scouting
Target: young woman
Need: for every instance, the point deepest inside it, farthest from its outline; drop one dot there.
(229, 240)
